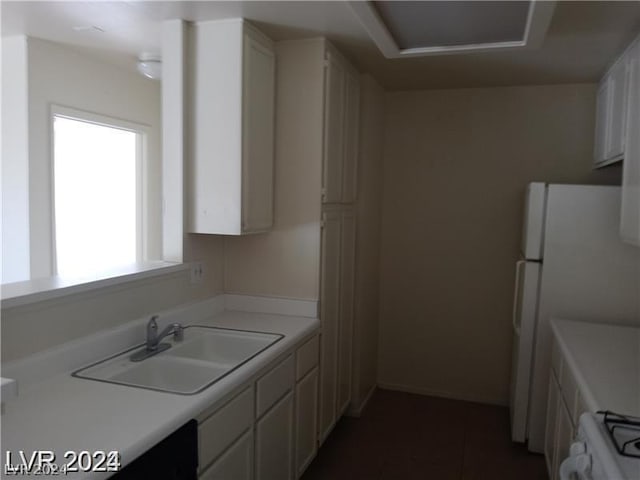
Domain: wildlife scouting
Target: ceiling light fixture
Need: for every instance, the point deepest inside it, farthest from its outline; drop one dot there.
(150, 65)
(88, 28)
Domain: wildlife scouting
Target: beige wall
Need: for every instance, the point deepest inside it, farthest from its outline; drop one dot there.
(286, 261)
(368, 210)
(209, 250)
(58, 75)
(456, 164)
(65, 77)
(43, 325)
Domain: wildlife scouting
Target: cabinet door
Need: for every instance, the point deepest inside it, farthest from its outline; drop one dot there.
(564, 436)
(230, 179)
(601, 123)
(329, 319)
(236, 463)
(306, 420)
(617, 95)
(335, 85)
(257, 141)
(274, 442)
(351, 137)
(550, 439)
(216, 432)
(345, 334)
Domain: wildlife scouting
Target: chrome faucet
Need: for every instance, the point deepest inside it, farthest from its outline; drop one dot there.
(153, 344)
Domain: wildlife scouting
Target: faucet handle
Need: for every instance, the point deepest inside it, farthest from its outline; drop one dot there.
(178, 332)
(152, 325)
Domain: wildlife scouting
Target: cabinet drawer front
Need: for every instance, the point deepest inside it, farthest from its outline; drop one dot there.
(222, 428)
(307, 357)
(236, 463)
(273, 385)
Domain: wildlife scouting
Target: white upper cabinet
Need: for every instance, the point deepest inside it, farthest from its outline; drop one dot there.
(618, 100)
(342, 96)
(232, 85)
(333, 130)
(352, 137)
(611, 114)
(630, 209)
(602, 112)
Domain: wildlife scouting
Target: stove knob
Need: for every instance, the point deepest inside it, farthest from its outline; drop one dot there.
(577, 448)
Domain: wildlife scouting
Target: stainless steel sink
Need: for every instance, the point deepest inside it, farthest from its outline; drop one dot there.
(204, 356)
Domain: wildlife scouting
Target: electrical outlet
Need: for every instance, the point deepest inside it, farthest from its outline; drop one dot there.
(197, 272)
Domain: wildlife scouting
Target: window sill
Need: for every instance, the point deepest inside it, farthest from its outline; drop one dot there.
(31, 291)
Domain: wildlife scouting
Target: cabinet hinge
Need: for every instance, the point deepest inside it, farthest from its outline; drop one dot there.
(321, 223)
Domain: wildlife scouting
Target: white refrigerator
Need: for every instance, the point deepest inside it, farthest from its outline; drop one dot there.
(572, 265)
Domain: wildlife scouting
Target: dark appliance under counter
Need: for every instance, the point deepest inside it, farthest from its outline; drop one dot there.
(174, 458)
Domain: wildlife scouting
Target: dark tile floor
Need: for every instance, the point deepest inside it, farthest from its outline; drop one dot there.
(406, 436)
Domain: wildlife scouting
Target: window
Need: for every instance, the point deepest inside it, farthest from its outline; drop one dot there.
(97, 190)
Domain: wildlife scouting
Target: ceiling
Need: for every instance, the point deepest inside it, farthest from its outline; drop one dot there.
(582, 39)
(441, 23)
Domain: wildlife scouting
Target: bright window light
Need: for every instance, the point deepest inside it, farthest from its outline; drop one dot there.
(96, 195)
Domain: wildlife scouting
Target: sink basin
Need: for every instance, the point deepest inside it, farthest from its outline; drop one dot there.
(222, 347)
(204, 356)
(165, 373)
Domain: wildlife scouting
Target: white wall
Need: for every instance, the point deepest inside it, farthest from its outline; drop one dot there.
(456, 165)
(15, 161)
(61, 76)
(174, 133)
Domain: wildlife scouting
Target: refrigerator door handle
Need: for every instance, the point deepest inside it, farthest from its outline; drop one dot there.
(516, 294)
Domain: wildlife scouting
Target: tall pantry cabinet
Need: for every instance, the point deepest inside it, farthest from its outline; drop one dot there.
(341, 106)
(319, 96)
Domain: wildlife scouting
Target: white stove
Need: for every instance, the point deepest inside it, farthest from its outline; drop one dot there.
(607, 447)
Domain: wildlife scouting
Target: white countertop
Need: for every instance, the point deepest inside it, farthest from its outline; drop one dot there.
(605, 361)
(66, 413)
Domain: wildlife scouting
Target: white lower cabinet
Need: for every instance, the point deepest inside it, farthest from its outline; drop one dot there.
(268, 431)
(274, 442)
(564, 436)
(551, 424)
(219, 430)
(306, 420)
(565, 405)
(234, 464)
